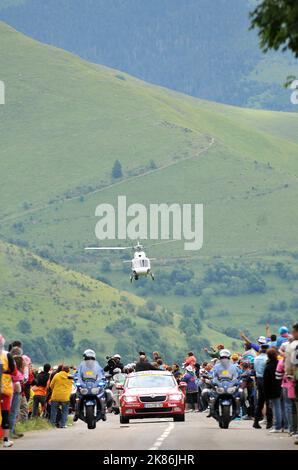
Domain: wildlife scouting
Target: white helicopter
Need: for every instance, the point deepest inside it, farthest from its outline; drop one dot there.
(140, 264)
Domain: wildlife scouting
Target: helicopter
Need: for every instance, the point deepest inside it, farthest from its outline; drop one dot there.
(140, 264)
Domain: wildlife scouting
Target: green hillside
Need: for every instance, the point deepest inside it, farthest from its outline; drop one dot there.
(58, 313)
(64, 124)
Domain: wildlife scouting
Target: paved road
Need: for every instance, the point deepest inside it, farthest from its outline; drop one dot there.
(197, 433)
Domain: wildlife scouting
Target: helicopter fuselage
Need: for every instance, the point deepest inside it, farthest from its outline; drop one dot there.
(140, 265)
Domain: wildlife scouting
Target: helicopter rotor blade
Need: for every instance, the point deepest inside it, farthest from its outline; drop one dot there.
(164, 242)
(107, 248)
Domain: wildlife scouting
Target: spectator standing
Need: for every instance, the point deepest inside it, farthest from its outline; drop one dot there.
(61, 387)
(272, 389)
(259, 367)
(283, 336)
(17, 381)
(7, 370)
(288, 392)
(192, 388)
(190, 360)
(40, 389)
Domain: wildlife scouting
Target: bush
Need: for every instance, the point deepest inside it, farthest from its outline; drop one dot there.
(197, 344)
(181, 274)
(188, 310)
(119, 326)
(231, 332)
(24, 326)
(151, 306)
(62, 338)
(206, 302)
(190, 326)
(202, 313)
(106, 265)
(279, 306)
(180, 290)
(117, 170)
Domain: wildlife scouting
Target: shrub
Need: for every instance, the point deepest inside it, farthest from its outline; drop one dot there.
(117, 170)
(24, 326)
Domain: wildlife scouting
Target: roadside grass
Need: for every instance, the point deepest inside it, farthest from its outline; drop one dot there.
(33, 424)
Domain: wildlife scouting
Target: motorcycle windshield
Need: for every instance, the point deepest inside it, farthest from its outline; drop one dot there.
(90, 370)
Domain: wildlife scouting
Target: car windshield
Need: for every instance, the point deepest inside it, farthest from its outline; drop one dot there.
(151, 381)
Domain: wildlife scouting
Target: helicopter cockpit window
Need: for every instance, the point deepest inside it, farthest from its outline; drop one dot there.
(141, 263)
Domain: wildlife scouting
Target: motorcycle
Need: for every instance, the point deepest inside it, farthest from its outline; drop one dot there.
(91, 401)
(225, 402)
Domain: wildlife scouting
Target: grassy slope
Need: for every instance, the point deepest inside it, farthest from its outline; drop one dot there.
(76, 119)
(56, 297)
(50, 296)
(66, 121)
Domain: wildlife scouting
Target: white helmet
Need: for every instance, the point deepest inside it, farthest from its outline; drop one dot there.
(89, 353)
(117, 371)
(224, 354)
(116, 356)
(262, 340)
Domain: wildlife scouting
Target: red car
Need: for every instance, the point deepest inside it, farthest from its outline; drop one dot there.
(152, 394)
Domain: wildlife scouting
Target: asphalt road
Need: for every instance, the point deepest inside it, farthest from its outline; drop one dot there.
(196, 433)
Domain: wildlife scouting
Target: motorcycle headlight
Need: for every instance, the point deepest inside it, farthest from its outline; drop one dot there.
(231, 390)
(84, 391)
(175, 397)
(220, 390)
(95, 390)
(130, 399)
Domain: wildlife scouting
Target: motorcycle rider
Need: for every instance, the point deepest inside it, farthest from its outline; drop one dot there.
(90, 369)
(224, 369)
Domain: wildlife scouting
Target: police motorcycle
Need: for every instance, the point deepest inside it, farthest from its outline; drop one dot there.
(91, 394)
(225, 399)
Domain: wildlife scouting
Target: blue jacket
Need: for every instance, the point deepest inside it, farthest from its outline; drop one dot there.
(259, 364)
(280, 340)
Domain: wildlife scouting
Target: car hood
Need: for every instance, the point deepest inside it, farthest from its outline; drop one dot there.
(151, 391)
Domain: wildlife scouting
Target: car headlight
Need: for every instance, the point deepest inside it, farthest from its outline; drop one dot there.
(231, 390)
(84, 391)
(95, 390)
(176, 397)
(220, 390)
(130, 399)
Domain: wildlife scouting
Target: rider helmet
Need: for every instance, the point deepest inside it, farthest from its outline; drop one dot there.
(224, 354)
(89, 354)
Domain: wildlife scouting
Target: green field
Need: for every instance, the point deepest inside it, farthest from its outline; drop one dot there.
(64, 124)
(39, 299)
